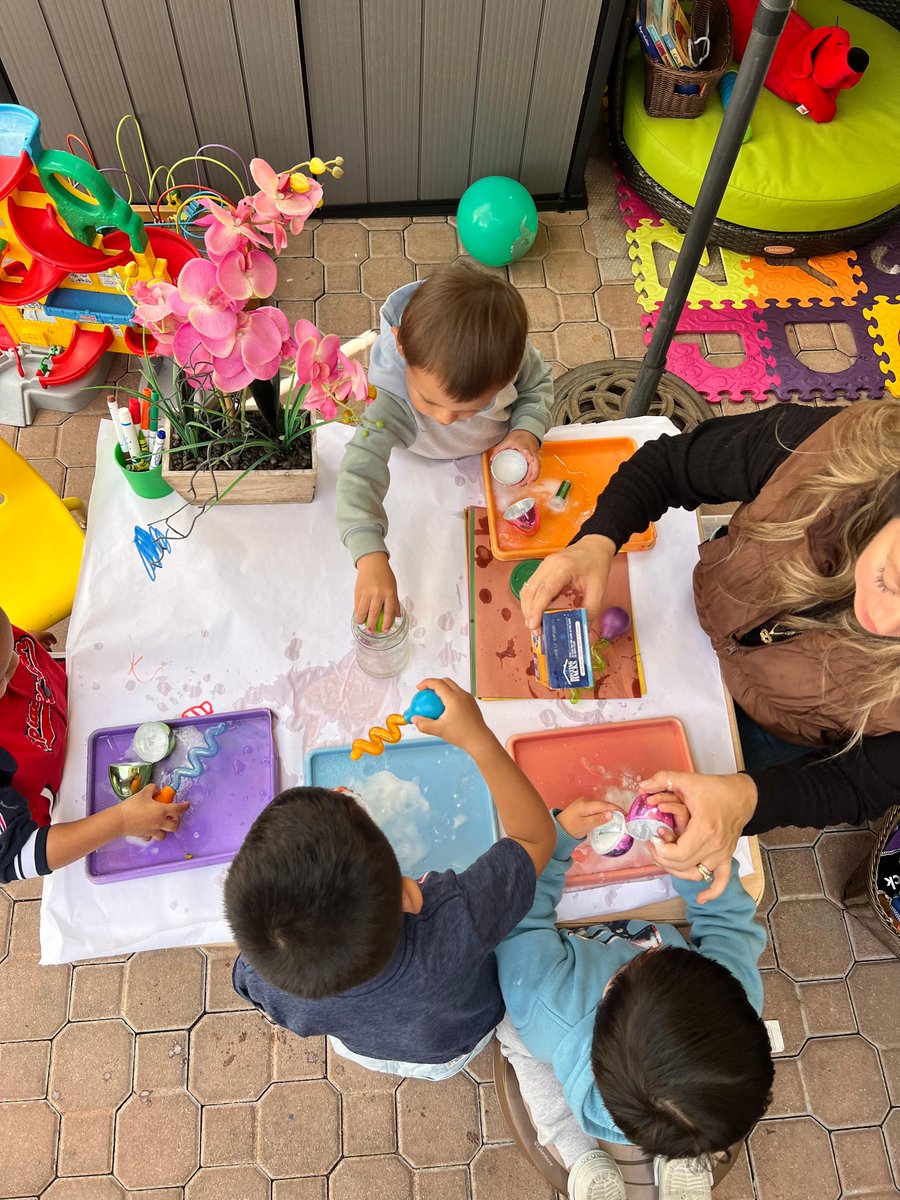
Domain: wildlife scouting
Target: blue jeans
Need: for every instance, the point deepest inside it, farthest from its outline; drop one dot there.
(763, 749)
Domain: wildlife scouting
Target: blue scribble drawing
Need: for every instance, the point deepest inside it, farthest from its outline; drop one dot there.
(151, 545)
(197, 754)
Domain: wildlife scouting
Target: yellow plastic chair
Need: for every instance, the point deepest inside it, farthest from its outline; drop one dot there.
(41, 545)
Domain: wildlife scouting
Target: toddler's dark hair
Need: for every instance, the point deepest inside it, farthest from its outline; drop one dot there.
(314, 894)
(679, 1055)
(466, 327)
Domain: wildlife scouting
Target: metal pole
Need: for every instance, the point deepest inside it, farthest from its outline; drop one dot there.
(768, 22)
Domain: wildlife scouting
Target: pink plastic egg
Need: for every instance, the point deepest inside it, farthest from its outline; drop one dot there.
(614, 622)
(610, 838)
(644, 820)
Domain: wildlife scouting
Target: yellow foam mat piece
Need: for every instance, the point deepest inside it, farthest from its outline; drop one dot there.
(739, 287)
(885, 330)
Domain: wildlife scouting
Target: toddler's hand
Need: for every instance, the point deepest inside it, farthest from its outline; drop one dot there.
(144, 817)
(461, 722)
(376, 592)
(585, 814)
(45, 639)
(527, 444)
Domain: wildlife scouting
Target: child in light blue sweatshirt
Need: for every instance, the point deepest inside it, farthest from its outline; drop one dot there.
(655, 1041)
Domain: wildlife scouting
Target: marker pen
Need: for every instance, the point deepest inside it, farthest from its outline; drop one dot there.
(145, 416)
(134, 409)
(120, 435)
(158, 447)
(130, 433)
(154, 418)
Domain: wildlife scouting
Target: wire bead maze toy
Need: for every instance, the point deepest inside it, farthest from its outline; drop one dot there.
(424, 704)
(198, 757)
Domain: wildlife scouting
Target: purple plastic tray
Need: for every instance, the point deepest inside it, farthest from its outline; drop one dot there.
(227, 797)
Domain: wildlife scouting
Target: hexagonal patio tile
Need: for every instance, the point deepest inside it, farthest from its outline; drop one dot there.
(90, 1067)
(892, 1137)
(374, 1178)
(86, 1143)
(28, 1133)
(160, 1061)
(344, 314)
(874, 987)
(781, 1003)
(300, 279)
(792, 1160)
(341, 242)
(23, 1068)
(368, 1123)
(35, 998)
(164, 989)
(299, 1189)
(861, 1161)
(78, 441)
(228, 1134)
(442, 1183)
(299, 1129)
(543, 309)
(6, 910)
(578, 344)
(230, 1056)
(795, 872)
(571, 271)
(296, 1057)
(431, 243)
(482, 1066)
(348, 1076)
(788, 1098)
(504, 1173)
(843, 1082)
(220, 993)
(381, 276)
(826, 1008)
(157, 1140)
(228, 1183)
(102, 1187)
(839, 853)
(437, 1124)
(810, 939)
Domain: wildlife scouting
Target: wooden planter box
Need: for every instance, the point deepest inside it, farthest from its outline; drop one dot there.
(260, 486)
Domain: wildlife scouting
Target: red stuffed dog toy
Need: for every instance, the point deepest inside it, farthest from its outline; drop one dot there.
(810, 66)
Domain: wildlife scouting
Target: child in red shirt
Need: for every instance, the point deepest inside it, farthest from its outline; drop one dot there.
(32, 749)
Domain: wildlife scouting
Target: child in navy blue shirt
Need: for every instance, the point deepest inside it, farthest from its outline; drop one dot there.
(401, 974)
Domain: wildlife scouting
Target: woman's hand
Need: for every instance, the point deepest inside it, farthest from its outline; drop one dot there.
(719, 807)
(584, 567)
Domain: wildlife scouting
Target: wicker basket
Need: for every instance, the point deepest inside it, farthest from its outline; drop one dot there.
(861, 892)
(661, 95)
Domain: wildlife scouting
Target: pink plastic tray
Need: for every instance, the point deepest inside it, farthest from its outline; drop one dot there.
(605, 761)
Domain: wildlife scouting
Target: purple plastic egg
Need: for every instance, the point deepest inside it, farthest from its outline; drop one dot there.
(610, 838)
(614, 622)
(644, 820)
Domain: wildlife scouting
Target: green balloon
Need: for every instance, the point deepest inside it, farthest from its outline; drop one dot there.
(496, 220)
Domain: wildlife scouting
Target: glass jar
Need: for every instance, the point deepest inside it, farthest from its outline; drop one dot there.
(382, 654)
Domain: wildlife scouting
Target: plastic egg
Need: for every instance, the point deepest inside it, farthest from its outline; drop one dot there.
(644, 820)
(611, 839)
(509, 467)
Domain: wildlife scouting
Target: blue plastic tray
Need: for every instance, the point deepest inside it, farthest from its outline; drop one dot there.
(457, 826)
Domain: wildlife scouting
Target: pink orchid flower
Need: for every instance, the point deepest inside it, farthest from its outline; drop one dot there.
(317, 354)
(229, 229)
(155, 312)
(243, 274)
(277, 197)
(317, 399)
(209, 310)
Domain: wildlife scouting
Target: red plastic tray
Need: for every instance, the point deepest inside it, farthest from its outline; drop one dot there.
(604, 761)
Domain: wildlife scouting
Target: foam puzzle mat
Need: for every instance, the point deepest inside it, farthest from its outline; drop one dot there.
(794, 318)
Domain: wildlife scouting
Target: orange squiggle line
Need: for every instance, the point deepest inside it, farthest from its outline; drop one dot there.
(375, 742)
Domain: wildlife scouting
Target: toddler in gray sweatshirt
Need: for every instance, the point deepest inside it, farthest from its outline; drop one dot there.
(455, 375)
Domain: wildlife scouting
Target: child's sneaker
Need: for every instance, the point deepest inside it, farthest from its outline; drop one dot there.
(683, 1178)
(595, 1176)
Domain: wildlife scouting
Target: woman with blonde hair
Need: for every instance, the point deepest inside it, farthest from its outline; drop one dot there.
(800, 597)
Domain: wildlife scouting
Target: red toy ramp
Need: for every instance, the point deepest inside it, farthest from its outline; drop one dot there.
(78, 357)
(34, 284)
(39, 231)
(12, 172)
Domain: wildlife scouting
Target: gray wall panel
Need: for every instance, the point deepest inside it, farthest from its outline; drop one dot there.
(332, 33)
(269, 45)
(205, 34)
(90, 61)
(565, 44)
(508, 52)
(35, 73)
(450, 49)
(156, 82)
(392, 46)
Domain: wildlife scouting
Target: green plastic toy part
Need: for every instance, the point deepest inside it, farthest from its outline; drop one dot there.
(84, 214)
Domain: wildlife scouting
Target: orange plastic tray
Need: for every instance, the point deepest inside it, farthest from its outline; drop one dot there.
(588, 464)
(606, 761)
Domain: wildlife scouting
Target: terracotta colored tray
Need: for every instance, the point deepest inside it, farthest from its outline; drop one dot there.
(588, 464)
(603, 761)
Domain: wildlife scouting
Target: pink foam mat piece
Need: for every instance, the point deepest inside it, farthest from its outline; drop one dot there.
(750, 380)
(632, 207)
(794, 380)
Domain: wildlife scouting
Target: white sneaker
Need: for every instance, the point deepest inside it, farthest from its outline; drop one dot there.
(595, 1176)
(683, 1178)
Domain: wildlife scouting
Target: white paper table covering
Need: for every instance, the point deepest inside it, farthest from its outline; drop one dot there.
(254, 609)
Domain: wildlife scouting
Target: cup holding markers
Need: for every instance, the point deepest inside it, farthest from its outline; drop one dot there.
(140, 465)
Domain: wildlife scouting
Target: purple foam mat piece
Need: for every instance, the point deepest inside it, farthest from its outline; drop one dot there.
(792, 379)
(750, 379)
(234, 787)
(879, 262)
